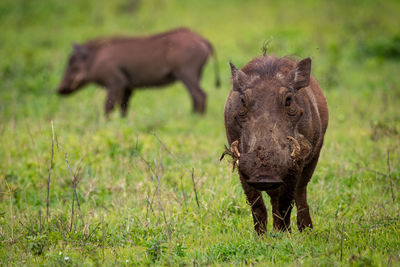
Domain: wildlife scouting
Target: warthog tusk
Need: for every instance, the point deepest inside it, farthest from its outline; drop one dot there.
(296, 147)
(233, 151)
(234, 148)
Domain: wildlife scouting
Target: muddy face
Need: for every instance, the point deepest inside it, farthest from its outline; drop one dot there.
(268, 111)
(75, 75)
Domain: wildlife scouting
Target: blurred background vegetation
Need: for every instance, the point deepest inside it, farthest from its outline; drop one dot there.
(137, 203)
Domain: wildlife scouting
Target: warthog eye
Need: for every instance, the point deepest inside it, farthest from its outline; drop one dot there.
(243, 100)
(243, 111)
(288, 101)
(290, 106)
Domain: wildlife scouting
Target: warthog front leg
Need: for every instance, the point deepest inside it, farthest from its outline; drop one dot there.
(303, 212)
(281, 201)
(114, 95)
(110, 103)
(116, 85)
(258, 209)
(300, 196)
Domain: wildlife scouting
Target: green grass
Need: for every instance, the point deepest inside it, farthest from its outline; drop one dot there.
(131, 217)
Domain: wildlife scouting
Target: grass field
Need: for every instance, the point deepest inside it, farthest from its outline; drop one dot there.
(133, 176)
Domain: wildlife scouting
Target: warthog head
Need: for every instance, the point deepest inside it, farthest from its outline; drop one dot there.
(267, 110)
(75, 75)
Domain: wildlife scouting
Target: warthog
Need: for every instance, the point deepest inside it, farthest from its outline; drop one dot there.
(121, 64)
(275, 118)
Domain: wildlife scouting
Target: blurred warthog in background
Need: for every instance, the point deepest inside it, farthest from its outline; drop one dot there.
(121, 64)
(275, 118)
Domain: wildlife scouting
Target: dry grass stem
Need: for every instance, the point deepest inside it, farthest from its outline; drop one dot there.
(49, 176)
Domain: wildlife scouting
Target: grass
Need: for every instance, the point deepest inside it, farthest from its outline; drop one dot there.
(135, 188)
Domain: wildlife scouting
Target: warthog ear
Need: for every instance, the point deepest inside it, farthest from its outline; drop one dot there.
(238, 78)
(300, 76)
(80, 50)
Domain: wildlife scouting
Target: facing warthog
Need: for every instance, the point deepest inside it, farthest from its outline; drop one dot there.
(121, 64)
(275, 119)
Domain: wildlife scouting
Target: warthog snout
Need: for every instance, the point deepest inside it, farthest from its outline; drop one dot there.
(63, 91)
(265, 182)
(262, 169)
(266, 167)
